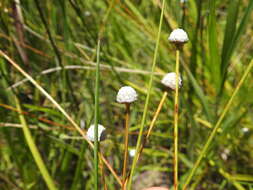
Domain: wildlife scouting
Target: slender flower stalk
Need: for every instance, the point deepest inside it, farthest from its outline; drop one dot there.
(126, 95)
(178, 37)
(126, 146)
(152, 124)
(176, 104)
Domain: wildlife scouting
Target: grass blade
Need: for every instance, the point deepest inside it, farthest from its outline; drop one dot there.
(214, 61)
(147, 100)
(96, 145)
(199, 92)
(176, 106)
(230, 31)
(35, 153)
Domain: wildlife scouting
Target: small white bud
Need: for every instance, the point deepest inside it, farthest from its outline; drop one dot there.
(178, 36)
(132, 152)
(126, 94)
(169, 80)
(101, 133)
(87, 13)
(225, 154)
(245, 129)
(82, 124)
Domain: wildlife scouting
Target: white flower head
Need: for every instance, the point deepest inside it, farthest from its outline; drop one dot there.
(87, 13)
(178, 36)
(245, 129)
(132, 152)
(101, 133)
(126, 94)
(225, 154)
(169, 80)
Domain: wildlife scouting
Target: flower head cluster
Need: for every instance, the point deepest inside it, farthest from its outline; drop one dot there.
(101, 133)
(169, 80)
(126, 95)
(178, 36)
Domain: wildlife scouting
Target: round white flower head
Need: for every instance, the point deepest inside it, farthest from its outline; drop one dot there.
(245, 129)
(178, 36)
(101, 133)
(169, 80)
(132, 152)
(126, 94)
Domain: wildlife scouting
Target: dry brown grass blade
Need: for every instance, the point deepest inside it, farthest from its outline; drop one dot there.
(45, 120)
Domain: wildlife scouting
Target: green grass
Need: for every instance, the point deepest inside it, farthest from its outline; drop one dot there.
(53, 46)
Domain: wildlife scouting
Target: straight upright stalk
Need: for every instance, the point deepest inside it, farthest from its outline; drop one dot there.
(126, 146)
(176, 102)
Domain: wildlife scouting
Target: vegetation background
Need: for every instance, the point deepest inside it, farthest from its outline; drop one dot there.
(55, 42)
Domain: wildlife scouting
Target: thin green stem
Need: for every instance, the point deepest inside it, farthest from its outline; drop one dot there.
(147, 100)
(35, 153)
(126, 146)
(96, 145)
(217, 125)
(176, 104)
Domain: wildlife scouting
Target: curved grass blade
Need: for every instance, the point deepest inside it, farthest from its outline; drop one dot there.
(214, 60)
(198, 92)
(35, 153)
